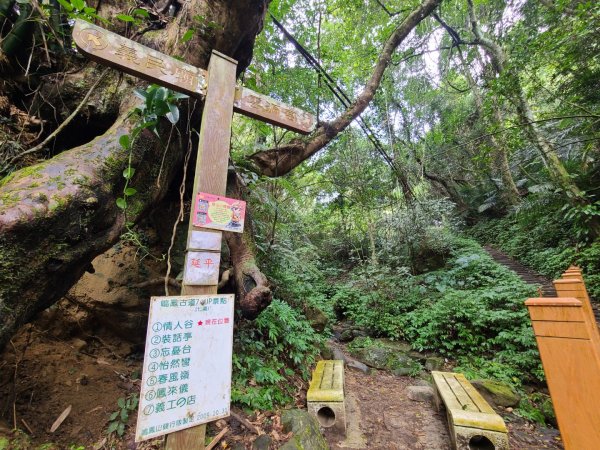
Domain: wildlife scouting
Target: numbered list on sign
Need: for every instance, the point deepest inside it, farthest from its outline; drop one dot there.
(186, 378)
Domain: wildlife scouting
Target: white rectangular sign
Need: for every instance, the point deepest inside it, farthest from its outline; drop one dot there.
(187, 363)
(201, 268)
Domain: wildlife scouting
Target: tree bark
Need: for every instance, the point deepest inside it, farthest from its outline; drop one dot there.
(56, 216)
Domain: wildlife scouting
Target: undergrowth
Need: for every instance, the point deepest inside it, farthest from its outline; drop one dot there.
(472, 310)
(271, 353)
(545, 240)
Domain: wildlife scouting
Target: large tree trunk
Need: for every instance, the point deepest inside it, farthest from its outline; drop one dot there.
(56, 216)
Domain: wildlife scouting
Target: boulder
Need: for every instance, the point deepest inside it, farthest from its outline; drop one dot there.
(317, 318)
(434, 363)
(388, 355)
(263, 442)
(497, 392)
(420, 393)
(402, 365)
(307, 434)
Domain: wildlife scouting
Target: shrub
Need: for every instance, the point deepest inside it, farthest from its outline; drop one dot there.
(268, 352)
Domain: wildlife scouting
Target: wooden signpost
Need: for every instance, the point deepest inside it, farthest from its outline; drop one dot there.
(217, 86)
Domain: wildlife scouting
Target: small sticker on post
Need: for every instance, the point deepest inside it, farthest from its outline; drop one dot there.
(219, 213)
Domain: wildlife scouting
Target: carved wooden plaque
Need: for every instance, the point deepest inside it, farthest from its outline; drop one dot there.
(138, 60)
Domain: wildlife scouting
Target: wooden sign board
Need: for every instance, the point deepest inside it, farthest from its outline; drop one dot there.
(135, 59)
(187, 364)
(266, 109)
(219, 213)
(128, 56)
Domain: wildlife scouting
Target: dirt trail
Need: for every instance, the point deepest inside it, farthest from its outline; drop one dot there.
(382, 417)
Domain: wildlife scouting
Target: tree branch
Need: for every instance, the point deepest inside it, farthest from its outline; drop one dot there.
(279, 161)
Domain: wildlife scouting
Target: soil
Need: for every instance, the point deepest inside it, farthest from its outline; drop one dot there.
(382, 417)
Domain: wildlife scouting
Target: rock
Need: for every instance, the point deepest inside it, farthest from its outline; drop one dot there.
(354, 364)
(388, 355)
(307, 435)
(327, 351)
(497, 393)
(547, 409)
(78, 344)
(346, 336)
(434, 363)
(262, 442)
(317, 318)
(403, 365)
(420, 393)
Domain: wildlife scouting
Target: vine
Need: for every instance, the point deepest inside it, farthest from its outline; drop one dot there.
(158, 102)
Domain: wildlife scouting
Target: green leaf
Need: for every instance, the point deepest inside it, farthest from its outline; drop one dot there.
(78, 4)
(125, 142)
(188, 35)
(140, 93)
(66, 5)
(114, 415)
(121, 429)
(112, 427)
(124, 415)
(121, 402)
(122, 203)
(173, 114)
(141, 12)
(128, 173)
(125, 18)
(130, 191)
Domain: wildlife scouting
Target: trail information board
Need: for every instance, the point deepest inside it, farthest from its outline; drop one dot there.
(187, 363)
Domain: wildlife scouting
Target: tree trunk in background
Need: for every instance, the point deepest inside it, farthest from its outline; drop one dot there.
(500, 165)
(556, 168)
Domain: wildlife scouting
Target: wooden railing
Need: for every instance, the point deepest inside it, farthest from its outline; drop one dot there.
(569, 344)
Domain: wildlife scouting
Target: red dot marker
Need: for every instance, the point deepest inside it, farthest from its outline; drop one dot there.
(200, 322)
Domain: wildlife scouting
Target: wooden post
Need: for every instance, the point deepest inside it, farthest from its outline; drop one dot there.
(571, 361)
(210, 177)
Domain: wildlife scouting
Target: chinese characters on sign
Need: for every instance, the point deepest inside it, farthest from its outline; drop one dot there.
(219, 213)
(201, 268)
(187, 364)
(134, 58)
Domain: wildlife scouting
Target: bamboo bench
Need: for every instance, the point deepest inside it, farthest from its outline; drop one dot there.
(472, 422)
(325, 396)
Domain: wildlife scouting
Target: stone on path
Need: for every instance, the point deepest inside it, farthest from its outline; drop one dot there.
(497, 392)
(263, 442)
(307, 435)
(420, 393)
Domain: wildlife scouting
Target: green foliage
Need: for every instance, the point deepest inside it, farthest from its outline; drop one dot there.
(279, 345)
(78, 9)
(118, 420)
(472, 309)
(543, 237)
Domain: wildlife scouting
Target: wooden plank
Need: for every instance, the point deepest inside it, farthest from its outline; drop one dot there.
(136, 59)
(327, 383)
(211, 177)
(572, 370)
(572, 330)
(266, 109)
(449, 385)
(476, 397)
(463, 398)
(555, 309)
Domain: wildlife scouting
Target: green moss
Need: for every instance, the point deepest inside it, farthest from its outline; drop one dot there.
(4, 443)
(10, 199)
